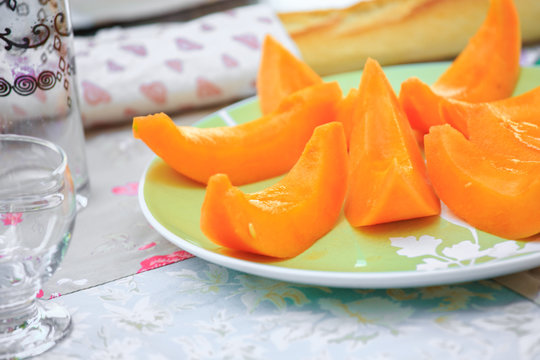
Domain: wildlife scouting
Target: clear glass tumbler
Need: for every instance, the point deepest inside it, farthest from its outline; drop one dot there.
(38, 89)
(37, 216)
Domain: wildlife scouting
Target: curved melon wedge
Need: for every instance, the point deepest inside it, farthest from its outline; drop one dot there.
(345, 111)
(503, 127)
(286, 218)
(280, 74)
(487, 69)
(490, 192)
(387, 180)
(524, 109)
(249, 152)
(520, 113)
(421, 104)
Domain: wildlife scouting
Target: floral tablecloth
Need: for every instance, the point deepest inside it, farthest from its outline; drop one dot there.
(196, 310)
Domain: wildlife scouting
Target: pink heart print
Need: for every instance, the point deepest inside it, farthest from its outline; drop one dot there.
(112, 66)
(93, 94)
(155, 91)
(205, 88)
(175, 64)
(130, 112)
(138, 50)
(229, 61)
(206, 27)
(248, 40)
(264, 19)
(187, 45)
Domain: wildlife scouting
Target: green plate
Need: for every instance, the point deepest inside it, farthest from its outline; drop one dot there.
(428, 251)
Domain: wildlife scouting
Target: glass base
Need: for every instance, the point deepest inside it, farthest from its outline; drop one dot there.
(49, 324)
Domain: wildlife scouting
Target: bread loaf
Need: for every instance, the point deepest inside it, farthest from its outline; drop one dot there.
(394, 31)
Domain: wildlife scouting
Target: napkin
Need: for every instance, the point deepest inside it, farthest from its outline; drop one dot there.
(170, 67)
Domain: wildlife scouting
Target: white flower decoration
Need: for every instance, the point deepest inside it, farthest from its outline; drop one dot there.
(432, 264)
(464, 250)
(411, 247)
(503, 249)
(531, 246)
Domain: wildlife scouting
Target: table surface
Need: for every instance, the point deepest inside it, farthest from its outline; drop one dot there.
(135, 295)
(185, 307)
(196, 310)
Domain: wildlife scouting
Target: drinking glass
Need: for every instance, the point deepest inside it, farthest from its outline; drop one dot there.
(37, 216)
(38, 87)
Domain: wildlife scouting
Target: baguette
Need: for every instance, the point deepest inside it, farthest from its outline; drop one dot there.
(394, 31)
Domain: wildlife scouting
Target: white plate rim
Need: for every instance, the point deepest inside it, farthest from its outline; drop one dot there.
(372, 280)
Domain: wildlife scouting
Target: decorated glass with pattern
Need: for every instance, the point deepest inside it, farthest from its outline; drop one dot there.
(38, 94)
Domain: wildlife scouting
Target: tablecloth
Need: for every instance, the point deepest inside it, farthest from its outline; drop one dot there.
(196, 310)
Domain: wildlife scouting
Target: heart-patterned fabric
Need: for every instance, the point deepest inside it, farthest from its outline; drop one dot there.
(169, 67)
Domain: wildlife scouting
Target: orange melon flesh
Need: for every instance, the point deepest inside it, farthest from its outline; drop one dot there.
(491, 192)
(487, 69)
(345, 112)
(421, 104)
(387, 179)
(522, 113)
(496, 132)
(286, 218)
(504, 137)
(253, 151)
(280, 74)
